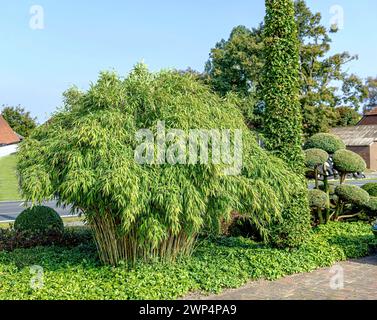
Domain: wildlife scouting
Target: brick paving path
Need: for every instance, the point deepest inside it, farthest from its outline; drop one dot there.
(360, 283)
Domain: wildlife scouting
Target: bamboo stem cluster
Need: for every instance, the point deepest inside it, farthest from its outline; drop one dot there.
(113, 246)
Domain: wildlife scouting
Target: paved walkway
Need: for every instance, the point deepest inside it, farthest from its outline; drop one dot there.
(360, 283)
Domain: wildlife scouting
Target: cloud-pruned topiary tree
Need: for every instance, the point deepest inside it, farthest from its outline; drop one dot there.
(346, 161)
(318, 200)
(325, 141)
(282, 118)
(349, 194)
(84, 157)
(314, 158)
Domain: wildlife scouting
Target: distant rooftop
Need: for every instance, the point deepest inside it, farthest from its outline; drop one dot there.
(369, 118)
(357, 136)
(7, 135)
(371, 112)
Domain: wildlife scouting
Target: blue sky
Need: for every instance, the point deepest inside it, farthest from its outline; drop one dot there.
(82, 37)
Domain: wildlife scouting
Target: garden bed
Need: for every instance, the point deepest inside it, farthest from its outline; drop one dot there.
(76, 273)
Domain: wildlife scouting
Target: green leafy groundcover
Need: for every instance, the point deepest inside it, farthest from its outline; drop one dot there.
(216, 264)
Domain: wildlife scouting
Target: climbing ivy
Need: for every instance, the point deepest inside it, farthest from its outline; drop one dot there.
(280, 85)
(279, 94)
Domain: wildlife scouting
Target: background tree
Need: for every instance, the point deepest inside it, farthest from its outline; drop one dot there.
(371, 99)
(346, 116)
(19, 119)
(235, 65)
(324, 83)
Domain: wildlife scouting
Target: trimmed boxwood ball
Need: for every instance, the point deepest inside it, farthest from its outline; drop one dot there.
(352, 194)
(325, 141)
(371, 188)
(39, 220)
(346, 161)
(317, 198)
(315, 157)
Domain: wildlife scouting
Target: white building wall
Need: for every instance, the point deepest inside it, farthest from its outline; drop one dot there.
(7, 150)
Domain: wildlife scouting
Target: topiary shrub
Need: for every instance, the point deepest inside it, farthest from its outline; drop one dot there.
(331, 192)
(371, 206)
(352, 194)
(371, 188)
(349, 194)
(313, 159)
(325, 141)
(294, 227)
(318, 199)
(39, 220)
(282, 117)
(346, 162)
(88, 156)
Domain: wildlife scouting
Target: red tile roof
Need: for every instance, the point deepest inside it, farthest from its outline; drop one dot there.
(7, 135)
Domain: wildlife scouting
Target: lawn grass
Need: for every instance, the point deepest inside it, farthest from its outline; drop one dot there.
(8, 179)
(5, 225)
(216, 264)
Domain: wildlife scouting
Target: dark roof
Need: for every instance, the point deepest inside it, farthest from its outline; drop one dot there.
(357, 136)
(369, 117)
(371, 112)
(7, 135)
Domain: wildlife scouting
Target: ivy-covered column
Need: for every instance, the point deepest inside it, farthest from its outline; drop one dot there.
(280, 86)
(282, 118)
